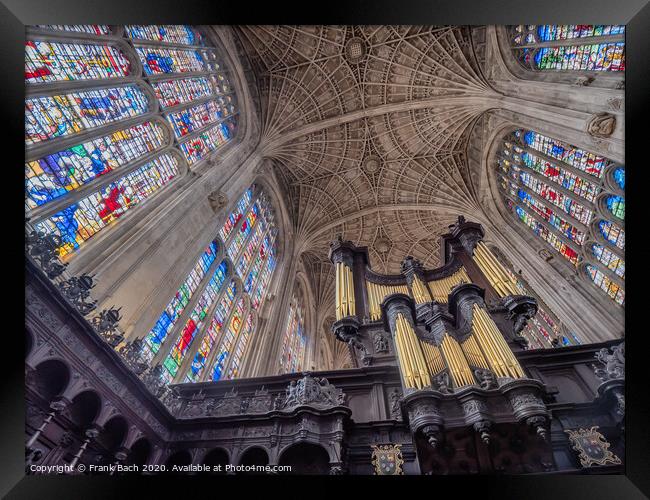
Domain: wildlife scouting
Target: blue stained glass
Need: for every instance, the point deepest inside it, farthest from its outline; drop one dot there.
(616, 205)
(619, 177)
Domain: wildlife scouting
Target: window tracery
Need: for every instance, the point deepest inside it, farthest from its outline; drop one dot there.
(93, 82)
(572, 47)
(217, 333)
(563, 195)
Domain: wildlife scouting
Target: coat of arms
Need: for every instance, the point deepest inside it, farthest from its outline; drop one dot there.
(593, 448)
(387, 459)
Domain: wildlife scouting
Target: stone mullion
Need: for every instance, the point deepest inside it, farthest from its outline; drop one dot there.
(235, 341)
(206, 376)
(246, 358)
(591, 40)
(196, 342)
(165, 348)
(570, 218)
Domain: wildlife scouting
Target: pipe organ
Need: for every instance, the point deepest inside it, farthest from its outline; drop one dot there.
(451, 330)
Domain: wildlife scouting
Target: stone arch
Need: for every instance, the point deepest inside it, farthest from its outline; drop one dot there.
(85, 407)
(52, 378)
(216, 457)
(254, 455)
(306, 458)
(140, 452)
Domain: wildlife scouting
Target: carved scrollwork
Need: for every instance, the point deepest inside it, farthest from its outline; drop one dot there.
(611, 363)
(312, 392)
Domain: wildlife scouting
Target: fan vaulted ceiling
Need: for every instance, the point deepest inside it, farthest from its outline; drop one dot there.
(367, 128)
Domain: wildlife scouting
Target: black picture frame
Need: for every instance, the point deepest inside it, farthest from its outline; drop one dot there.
(15, 14)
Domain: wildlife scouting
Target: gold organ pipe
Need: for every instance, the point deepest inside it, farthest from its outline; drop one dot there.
(508, 280)
(473, 352)
(377, 295)
(457, 363)
(512, 361)
(403, 362)
(503, 353)
(488, 271)
(338, 291)
(440, 289)
(495, 362)
(351, 302)
(414, 353)
(418, 363)
(410, 366)
(433, 358)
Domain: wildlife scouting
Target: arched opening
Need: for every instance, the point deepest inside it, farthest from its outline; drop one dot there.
(85, 408)
(111, 438)
(254, 457)
(306, 458)
(52, 377)
(180, 459)
(215, 458)
(140, 451)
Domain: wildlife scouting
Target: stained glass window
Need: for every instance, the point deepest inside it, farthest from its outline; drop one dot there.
(195, 322)
(212, 334)
(244, 230)
(58, 173)
(210, 140)
(565, 206)
(543, 232)
(619, 177)
(589, 163)
(47, 117)
(180, 91)
(612, 233)
(84, 218)
(616, 205)
(217, 315)
(52, 61)
(293, 343)
(226, 344)
(236, 215)
(604, 283)
(197, 117)
(567, 47)
(178, 34)
(177, 304)
(240, 349)
(548, 215)
(156, 61)
(609, 259)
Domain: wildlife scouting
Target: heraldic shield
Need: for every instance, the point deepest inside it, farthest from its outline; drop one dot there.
(592, 447)
(387, 460)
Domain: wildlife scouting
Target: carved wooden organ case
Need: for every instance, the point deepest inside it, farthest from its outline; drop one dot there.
(451, 331)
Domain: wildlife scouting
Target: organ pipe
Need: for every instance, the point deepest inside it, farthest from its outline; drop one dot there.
(345, 304)
(494, 271)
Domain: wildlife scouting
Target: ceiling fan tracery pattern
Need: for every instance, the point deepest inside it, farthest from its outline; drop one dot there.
(367, 128)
